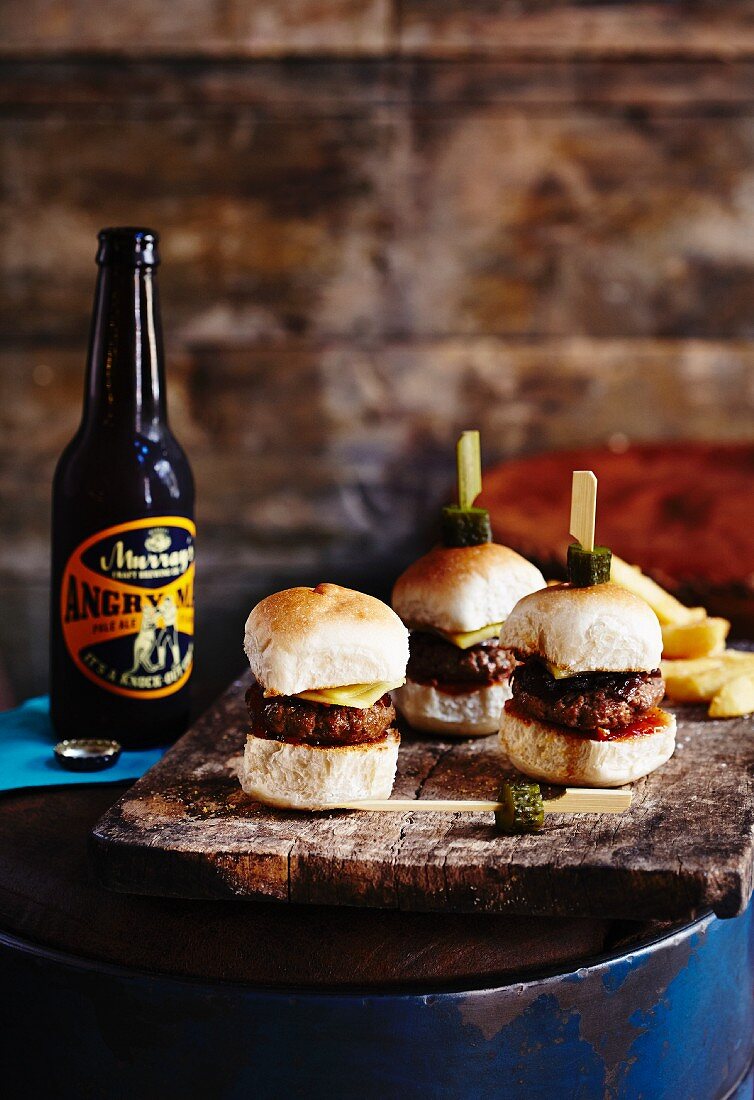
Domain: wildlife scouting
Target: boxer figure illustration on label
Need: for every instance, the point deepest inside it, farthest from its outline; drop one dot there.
(149, 644)
(167, 639)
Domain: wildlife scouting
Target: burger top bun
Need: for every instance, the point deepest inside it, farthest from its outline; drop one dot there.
(302, 639)
(602, 628)
(463, 588)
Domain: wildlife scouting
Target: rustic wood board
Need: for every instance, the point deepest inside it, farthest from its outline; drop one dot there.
(187, 830)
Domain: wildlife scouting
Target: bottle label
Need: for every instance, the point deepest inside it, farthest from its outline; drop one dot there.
(127, 607)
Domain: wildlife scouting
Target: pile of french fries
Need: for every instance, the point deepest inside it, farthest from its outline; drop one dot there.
(696, 666)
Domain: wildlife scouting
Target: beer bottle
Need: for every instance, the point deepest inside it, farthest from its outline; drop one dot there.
(122, 525)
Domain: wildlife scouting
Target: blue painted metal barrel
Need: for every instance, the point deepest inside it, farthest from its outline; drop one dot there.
(672, 1019)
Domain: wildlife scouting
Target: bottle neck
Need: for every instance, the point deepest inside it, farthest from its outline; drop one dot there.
(125, 375)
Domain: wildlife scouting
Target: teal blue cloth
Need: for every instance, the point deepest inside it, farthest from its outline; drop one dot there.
(27, 760)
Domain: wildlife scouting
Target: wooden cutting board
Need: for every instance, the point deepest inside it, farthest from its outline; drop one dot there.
(187, 830)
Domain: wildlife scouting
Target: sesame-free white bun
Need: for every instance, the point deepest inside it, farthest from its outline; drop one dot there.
(307, 638)
(469, 714)
(550, 753)
(603, 628)
(311, 777)
(463, 588)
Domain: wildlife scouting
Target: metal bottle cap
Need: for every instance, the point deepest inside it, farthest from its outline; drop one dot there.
(81, 755)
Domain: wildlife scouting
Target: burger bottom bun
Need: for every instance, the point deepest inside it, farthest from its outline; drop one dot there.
(311, 777)
(546, 752)
(471, 714)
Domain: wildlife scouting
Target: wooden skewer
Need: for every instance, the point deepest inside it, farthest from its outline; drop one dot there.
(573, 800)
(583, 507)
(469, 460)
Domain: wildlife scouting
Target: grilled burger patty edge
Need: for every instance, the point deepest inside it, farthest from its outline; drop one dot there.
(434, 660)
(588, 700)
(284, 718)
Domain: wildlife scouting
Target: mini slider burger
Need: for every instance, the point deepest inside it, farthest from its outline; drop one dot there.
(454, 600)
(325, 660)
(584, 708)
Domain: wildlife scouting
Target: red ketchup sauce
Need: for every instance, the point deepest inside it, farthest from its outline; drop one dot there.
(646, 724)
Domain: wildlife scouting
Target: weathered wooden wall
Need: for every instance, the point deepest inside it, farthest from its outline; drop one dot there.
(383, 221)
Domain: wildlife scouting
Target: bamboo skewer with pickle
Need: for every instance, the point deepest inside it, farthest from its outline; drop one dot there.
(587, 564)
(519, 808)
(463, 524)
(586, 693)
(454, 600)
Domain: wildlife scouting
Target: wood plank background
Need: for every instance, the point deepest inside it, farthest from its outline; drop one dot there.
(383, 221)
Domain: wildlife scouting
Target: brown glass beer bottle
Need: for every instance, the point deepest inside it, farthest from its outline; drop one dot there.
(122, 638)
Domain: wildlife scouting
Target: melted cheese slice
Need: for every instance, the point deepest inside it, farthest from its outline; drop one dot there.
(466, 639)
(352, 695)
(557, 672)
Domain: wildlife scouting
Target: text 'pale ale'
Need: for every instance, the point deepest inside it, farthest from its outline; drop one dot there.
(123, 525)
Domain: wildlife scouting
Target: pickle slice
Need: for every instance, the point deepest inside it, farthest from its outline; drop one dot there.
(523, 809)
(587, 567)
(465, 526)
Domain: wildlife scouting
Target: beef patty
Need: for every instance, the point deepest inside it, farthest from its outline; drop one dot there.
(586, 701)
(283, 718)
(434, 660)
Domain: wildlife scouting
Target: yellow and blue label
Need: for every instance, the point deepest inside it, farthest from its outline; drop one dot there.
(127, 607)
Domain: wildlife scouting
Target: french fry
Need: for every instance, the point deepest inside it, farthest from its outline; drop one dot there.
(735, 698)
(694, 639)
(732, 657)
(667, 608)
(695, 687)
(698, 680)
